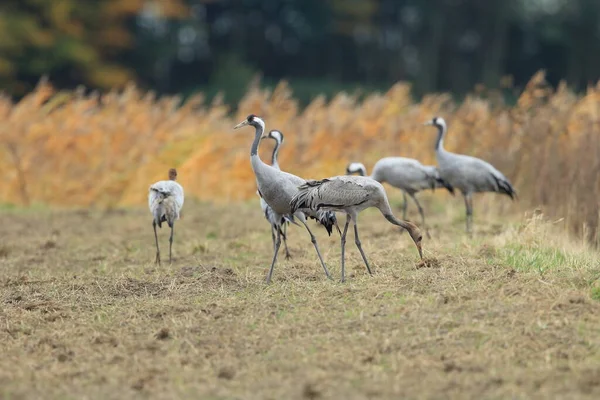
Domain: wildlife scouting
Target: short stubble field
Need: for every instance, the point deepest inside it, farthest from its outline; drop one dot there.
(86, 314)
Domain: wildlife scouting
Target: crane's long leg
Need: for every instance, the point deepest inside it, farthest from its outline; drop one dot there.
(171, 241)
(422, 215)
(358, 244)
(469, 206)
(404, 205)
(157, 259)
(343, 241)
(313, 240)
(287, 252)
(276, 250)
(273, 229)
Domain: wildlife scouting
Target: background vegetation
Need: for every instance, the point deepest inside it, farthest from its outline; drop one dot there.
(182, 46)
(77, 149)
(133, 87)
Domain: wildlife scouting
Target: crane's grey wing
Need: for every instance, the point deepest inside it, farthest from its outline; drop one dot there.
(418, 175)
(487, 178)
(436, 179)
(404, 173)
(503, 185)
(332, 193)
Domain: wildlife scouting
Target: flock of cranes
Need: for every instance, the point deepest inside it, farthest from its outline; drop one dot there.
(287, 198)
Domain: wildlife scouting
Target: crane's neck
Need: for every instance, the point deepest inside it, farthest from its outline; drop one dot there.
(439, 144)
(274, 161)
(257, 164)
(413, 230)
(259, 129)
(386, 210)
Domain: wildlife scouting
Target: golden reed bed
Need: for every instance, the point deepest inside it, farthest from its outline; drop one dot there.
(77, 149)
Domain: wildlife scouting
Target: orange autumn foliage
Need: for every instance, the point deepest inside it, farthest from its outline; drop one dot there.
(77, 149)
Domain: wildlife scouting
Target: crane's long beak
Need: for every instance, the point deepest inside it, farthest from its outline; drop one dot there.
(243, 123)
(428, 123)
(420, 249)
(264, 137)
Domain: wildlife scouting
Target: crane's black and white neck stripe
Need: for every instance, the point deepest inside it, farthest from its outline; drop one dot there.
(440, 124)
(259, 125)
(278, 136)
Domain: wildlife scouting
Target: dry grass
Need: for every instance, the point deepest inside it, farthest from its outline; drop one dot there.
(85, 314)
(77, 149)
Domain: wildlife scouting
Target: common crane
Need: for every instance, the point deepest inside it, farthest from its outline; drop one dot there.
(351, 195)
(327, 219)
(277, 188)
(406, 174)
(273, 219)
(165, 199)
(468, 174)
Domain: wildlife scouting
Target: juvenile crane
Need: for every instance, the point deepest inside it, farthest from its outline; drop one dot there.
(468, 174)
(406, 174)
(351, 195)
(165, 199)
(277, 224)
(277, 188)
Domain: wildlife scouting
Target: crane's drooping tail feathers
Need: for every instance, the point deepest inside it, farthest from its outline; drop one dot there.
(302, 201)
(327, 219)
(445, 184)
(165, 209)
(505, 187)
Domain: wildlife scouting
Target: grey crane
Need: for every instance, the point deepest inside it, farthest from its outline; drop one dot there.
(277, 188)
(276, 222)
(165, 199)
(327, 219)
(468, 174)
(406, 174)
(351, 195)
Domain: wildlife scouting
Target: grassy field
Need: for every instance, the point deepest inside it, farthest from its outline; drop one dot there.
(512, 313)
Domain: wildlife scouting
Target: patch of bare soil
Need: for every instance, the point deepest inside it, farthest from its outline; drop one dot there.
(92, 316)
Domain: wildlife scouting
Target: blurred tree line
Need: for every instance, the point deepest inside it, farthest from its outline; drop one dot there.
(318, 45)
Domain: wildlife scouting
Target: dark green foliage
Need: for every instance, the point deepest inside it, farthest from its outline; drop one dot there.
(190, 45)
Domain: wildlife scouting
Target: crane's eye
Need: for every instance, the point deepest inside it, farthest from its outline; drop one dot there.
(250, 117)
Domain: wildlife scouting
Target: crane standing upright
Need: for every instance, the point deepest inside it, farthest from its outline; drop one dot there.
(165, 199)
(277, 188)
(277, 223)
(468, 174)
